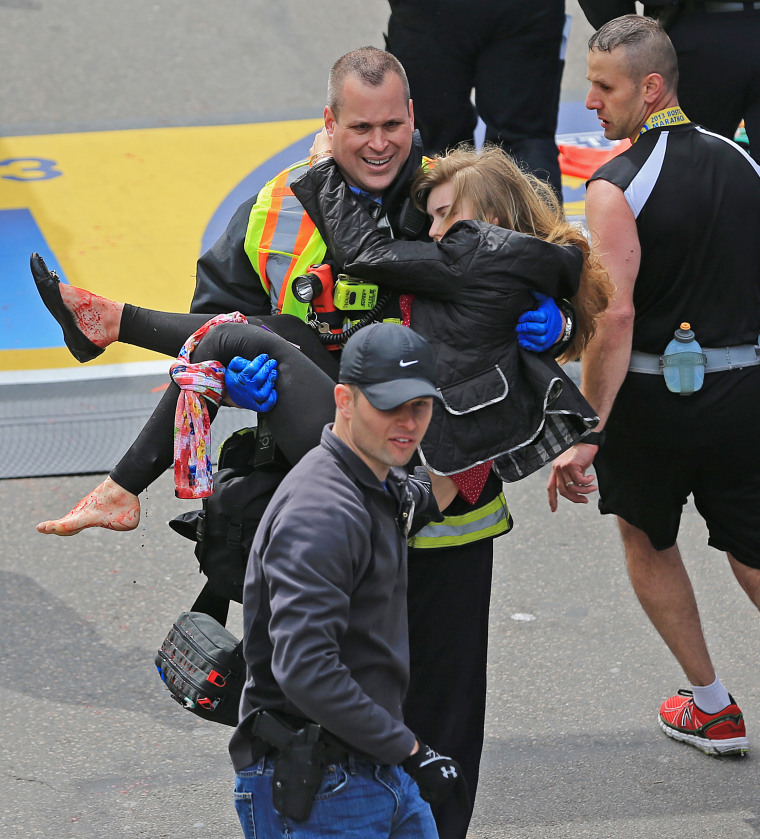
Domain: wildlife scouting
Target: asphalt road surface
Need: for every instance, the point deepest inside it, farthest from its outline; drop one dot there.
(92, 746)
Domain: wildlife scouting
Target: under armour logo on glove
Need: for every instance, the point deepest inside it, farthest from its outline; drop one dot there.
(449, 771)
(437, 777)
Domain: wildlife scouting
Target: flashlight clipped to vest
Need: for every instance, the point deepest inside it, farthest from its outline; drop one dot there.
(330, 299)
(316, 287)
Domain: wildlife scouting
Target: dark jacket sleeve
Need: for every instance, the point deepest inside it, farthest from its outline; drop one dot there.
(310, 594)
(598, 12)
(225, 280)
(354, 239)
(425, 504)
(472, 253)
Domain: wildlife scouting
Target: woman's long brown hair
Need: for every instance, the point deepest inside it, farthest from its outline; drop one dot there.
(496, 187)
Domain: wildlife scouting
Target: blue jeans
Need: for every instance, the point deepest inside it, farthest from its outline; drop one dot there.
(356, 800)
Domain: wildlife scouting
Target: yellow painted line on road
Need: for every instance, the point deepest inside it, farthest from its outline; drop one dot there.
(124, 212)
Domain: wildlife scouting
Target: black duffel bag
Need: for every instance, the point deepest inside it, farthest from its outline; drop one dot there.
(200, 661)
(224, 529)
(202, 665)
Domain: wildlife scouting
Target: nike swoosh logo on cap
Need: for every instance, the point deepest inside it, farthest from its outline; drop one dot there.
(407, 363)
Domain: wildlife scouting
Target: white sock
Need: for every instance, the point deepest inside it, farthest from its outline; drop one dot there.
(711, 698)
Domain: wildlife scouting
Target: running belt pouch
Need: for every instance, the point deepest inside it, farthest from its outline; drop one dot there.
(224, 529)
(202, 665)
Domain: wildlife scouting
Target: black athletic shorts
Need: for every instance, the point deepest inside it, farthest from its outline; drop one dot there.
(662, 447)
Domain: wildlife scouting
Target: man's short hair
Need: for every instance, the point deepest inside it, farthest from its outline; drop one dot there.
(647, 46)
(371, 65)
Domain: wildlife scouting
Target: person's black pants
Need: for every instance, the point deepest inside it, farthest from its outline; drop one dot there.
(306, 377)
(448, 601)
(719, 70)
(507, 50)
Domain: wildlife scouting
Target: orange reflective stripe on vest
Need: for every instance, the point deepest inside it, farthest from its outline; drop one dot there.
(282, 241)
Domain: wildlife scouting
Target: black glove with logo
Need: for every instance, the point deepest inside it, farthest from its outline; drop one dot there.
(437, 777)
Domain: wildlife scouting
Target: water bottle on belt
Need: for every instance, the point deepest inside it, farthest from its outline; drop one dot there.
(683, 362)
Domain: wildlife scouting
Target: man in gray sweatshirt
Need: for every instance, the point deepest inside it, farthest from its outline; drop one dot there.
(322, 740)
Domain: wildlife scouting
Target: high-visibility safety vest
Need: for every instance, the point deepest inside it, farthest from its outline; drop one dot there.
(488, 521)
(282, 242)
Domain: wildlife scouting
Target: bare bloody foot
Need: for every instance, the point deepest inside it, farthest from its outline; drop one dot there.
(97, 318)
(108, 505)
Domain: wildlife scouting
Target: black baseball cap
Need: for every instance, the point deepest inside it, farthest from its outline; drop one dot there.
(390, 364)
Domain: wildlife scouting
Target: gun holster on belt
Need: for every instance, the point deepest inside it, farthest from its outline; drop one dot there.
(298, 767)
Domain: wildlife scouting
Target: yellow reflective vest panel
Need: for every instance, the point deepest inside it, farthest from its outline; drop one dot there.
(282, 242)
(488, 521)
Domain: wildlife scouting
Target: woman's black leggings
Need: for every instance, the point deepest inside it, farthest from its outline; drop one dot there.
(307, 373)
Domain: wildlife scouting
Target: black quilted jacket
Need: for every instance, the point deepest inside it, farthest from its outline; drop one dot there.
(501, 403)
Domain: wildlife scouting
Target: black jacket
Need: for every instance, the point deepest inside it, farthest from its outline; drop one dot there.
(324, 603)
(225, 279)
(500, 402)
(599, 12)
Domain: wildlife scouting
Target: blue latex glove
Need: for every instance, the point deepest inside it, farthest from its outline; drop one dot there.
(250, 384)
(539, 329)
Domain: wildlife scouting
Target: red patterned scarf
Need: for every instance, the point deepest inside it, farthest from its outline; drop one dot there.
(192, 426)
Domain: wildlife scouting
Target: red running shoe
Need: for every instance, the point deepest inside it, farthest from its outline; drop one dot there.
(715, 734)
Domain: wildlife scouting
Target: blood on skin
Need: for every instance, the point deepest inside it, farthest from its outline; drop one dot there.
(107, 506)
(89, 318)
(94, 315)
